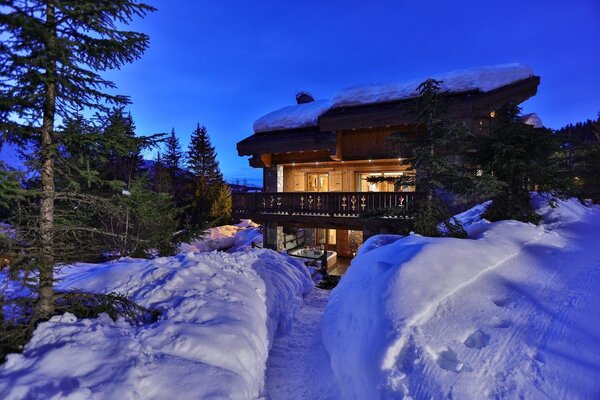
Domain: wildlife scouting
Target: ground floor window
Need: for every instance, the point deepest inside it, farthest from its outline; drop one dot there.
(355, 240)
(326, 237)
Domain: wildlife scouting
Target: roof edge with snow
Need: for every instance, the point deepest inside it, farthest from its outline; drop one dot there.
(306, 115)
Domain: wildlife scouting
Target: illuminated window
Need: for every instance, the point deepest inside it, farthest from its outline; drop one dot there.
(317, 182)
(365, 186)
(331, 239)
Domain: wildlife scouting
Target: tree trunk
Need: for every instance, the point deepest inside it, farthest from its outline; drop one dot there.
(46, 277)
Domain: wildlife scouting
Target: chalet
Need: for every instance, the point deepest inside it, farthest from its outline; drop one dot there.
(317, 156)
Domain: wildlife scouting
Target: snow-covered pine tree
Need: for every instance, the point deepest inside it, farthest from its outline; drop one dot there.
(51, 55)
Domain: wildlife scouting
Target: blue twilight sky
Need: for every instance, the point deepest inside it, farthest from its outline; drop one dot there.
(226, 63)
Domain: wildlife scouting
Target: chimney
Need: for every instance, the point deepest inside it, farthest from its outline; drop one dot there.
(304, 97)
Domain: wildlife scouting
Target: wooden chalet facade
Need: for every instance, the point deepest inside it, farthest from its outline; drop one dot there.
(315, 175)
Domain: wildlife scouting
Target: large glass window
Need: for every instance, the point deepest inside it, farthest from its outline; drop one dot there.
(365, 186)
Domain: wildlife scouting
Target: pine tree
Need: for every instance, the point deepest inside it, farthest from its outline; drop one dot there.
(50, 58)
(94, 212)
(174, 174)
(142, 221)
(173, 156)
(123, 150)
(203, 164)
(435, 153)
(202, 157)
(519, 158)
(161, 177)
(583, 148)
(221, 207)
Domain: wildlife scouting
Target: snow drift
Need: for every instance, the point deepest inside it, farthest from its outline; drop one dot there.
(510, 312)
(221, 312)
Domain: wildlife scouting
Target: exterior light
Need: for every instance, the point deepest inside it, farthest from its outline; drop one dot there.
(317, 163)
(293, 163)
(370, 160)
(493, 114)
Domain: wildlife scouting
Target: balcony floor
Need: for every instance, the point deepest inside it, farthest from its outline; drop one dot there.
(340, 267)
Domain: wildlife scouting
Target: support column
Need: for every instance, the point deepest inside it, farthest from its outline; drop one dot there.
(273, 178)
(273, 236)
(273, 182)
(310, 237)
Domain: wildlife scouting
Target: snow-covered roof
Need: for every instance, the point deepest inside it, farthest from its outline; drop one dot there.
(483, 79)
(296, 116)
(532, 119)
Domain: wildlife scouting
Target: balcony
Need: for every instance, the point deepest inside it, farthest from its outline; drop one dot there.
(324, 209)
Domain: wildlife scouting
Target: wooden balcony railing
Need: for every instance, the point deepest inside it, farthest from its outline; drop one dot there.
(330, 204)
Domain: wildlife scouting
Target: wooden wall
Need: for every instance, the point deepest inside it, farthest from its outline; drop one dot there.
(363, 144)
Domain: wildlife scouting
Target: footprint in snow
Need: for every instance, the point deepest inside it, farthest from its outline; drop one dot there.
(500, 323)
(448, 360)
(504, 302)
(539, 357)
(477, 340)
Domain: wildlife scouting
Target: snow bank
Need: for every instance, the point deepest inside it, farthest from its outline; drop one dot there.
(221, 312)
(297, 116)
(512, 312)
(232, 238)
(483, 79)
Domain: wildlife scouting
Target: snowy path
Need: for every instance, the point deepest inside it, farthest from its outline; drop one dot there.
(537, 315)
(298, 365)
